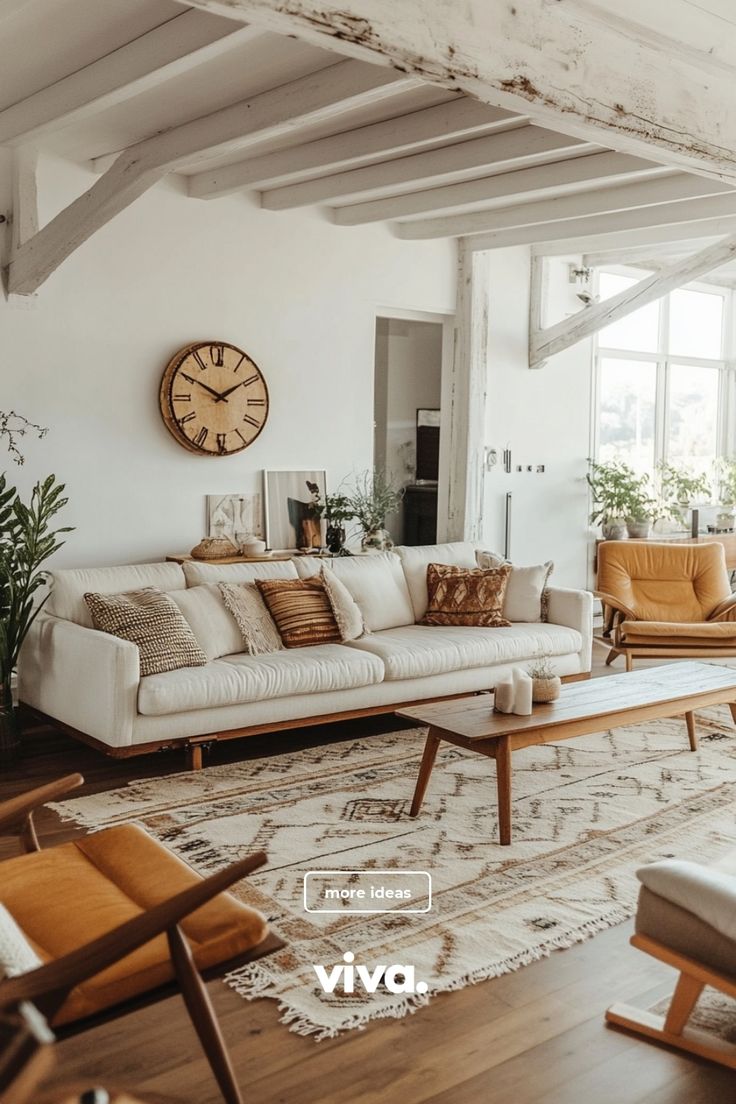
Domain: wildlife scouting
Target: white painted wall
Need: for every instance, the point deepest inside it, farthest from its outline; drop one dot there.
(297, 293)
(544, 417)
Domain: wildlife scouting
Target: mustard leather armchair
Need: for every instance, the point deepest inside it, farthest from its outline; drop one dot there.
(666, 601)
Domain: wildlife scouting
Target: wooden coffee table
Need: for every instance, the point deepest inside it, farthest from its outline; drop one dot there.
(581, 709)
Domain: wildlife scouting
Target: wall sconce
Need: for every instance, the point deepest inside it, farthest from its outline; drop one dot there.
(583, 280)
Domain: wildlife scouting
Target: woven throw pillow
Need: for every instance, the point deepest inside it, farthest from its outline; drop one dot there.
(301, 610)
(255, 623)
(527, 596)
(149, 619)
(346, 610)
(17, 956)
(466, 595)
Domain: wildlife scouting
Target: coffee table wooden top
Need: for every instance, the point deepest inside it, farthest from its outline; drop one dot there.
(474, 719)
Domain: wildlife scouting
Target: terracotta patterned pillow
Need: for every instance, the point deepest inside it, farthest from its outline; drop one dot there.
(148, 618)
(301, 610)
(466, 595)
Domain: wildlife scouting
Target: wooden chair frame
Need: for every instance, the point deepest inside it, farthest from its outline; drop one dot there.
(672, 1028)
(48, 986)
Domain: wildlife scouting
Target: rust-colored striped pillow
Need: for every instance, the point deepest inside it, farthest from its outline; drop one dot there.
(466, 595)
(301, 610)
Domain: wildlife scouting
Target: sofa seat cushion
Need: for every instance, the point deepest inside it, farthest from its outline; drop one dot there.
(237, 679)
(416, 651)
(66, 896)
(676, 632)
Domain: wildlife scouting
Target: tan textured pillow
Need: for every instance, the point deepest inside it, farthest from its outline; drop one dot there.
(345, 608)
(301, 610)
(255, 623)
(466, 595)
(149, 619)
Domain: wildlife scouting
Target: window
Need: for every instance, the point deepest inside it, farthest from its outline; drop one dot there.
(661, 379)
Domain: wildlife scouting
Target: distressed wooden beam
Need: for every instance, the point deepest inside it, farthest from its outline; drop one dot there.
(569, 66)
(464, 158)
(557, 178)
(621, 197)
(468, 384)
(24, 218)
(460, 118)
(183, 42)
(545, 343)
(310, 99)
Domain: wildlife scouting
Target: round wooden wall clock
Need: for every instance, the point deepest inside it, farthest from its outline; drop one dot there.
(213, 398)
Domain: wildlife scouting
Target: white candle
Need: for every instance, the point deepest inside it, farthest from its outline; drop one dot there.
(503, 698)
(522, 691)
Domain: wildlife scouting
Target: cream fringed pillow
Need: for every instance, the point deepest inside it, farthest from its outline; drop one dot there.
(257, 628)
(466, 595)
(149, 619)
(346, 610)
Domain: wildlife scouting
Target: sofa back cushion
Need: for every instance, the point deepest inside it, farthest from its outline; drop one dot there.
(69, 586)
(526, 596)
(415, 561)
(196, 572)
(210, 620)
(379, 588)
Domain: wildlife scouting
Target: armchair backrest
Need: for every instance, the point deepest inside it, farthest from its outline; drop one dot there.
(664, 582)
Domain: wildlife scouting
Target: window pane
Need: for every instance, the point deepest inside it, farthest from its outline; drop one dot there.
(627, 397)
(693, 416)
(696, 319)
(639, 331)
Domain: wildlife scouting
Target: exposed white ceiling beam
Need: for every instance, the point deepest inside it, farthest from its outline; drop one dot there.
(623, 197)
(459, 118)
(556, 178)
(166, 51)
(566, 65)
(545, 343)
(646, 224)
(466, 159)
(308, 100)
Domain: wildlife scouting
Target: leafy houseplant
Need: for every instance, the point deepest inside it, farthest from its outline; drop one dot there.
(26, 542)
(621, 498)
(374, 497)
(678, 487)
(335, 510)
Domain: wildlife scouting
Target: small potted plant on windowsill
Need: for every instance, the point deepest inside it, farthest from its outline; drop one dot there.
(679, 488)
(725, 468)
(622, 500)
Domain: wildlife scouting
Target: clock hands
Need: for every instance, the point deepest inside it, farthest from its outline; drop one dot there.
(223, 396)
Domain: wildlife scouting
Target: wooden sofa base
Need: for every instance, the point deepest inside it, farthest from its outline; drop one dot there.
(194, 746)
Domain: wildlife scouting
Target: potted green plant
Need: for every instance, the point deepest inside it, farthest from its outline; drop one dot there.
(374, 497)
(336, 510)
(678, 489)
(725, 469)
(622, 501)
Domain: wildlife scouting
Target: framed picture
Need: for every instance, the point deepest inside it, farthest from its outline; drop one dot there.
(290, 519)
(232, 515)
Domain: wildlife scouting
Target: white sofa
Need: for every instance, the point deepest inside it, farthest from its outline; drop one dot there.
(89, 682)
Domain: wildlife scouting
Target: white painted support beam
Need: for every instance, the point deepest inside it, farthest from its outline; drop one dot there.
(469, 158)
(545, 343)
(622, 197)
(25, 197)
(310, 99)
(468, 385)
(556, 178)
(460, 118)
(568, 65)
(166, 51)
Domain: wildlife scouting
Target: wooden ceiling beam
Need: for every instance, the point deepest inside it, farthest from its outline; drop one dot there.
(465, 159)
(556, 178)
(308, 100)
(568, 65)
(460, 118)
(166, 51)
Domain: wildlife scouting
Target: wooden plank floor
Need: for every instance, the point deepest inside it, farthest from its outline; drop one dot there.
(533, 1036)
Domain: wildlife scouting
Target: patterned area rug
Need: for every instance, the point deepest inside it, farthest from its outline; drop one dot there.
(587, 813)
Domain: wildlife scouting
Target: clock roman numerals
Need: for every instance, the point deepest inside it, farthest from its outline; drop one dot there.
(221, 442)
(187, 417)
(201, 437)
(198, 357)
(217, 355)
(183, 396)
(256, 402)
(252, 379)
(242, 438)
(251, 421)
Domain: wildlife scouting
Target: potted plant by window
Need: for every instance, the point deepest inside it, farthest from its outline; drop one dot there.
(725, 468)
(621, 500)
(374, 497)
(678, 489)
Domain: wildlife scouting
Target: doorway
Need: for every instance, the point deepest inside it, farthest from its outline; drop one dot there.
(407, 419)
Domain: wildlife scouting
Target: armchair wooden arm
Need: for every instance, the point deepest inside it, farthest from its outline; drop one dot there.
(49, 985)
(19, 810)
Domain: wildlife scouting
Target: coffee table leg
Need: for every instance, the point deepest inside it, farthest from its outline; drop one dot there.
(691, 733)
(430, 754)
(732, 707)
(503, 785)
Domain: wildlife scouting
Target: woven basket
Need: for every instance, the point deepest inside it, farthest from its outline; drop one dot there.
(214, 548)
(546, 689)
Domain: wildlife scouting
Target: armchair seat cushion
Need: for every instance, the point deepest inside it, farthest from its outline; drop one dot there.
(679, 632)
(69, 895)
